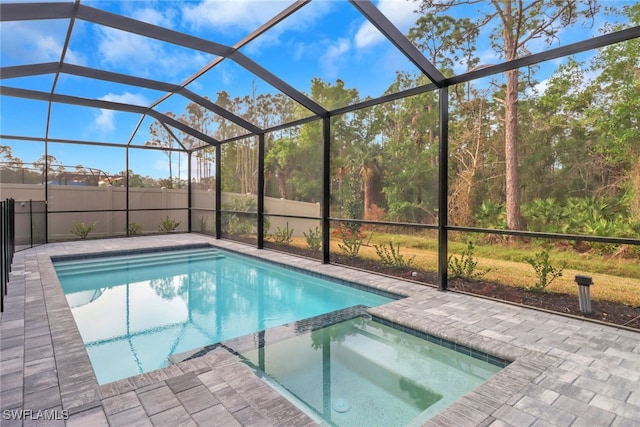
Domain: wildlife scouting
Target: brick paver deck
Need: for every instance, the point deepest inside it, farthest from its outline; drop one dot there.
(566, 371)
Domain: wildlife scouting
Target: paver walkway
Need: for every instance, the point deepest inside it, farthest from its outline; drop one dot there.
(566, 371)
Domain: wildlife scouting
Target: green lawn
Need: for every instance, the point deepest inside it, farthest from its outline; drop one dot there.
(615, 279)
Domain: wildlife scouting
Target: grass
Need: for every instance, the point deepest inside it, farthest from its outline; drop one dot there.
(616, 280)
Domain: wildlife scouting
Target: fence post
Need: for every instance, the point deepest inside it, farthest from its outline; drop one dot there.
(7, 245)
(3, 236)
(30, 223)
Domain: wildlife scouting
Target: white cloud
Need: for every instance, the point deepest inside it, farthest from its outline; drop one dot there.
(34, 44)
(105, 119)
(119, 47)
(400, 12)
(146, 57)
(489, 56)
(539, 88)
(155, 17)
(241, 17)
(227, 15)
(333, 55)
(141, 56)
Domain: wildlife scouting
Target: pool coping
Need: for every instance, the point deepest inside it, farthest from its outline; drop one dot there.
(258, 339)
(564, 370)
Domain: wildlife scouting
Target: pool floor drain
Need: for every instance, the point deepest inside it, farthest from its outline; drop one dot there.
(341, 405)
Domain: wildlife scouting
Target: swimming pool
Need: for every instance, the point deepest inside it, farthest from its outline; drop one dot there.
(365, 372)
(134, 311)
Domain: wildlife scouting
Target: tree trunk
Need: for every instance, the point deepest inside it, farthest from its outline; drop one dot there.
(170, 169)
(282, 185)
(634, 203)
(514, 221)
(367, 175)
(511, 152)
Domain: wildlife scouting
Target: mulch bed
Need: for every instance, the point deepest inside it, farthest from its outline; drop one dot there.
(604, 311)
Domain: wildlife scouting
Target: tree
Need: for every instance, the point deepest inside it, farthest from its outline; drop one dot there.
(615, 112)
(280, 162)
(161, 138)
(45, 163)
(6, 155)
(11, 167)
(201, 119)
(447, 42)
(131, 179)
(471, 149)
(410, 152)
(516, 25)
(354, 150)
(560, 143)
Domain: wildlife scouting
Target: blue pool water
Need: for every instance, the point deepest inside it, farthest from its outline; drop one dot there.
(361, 372)
(135, 311)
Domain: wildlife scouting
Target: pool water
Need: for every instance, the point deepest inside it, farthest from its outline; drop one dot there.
(361, 372)
(135, 311)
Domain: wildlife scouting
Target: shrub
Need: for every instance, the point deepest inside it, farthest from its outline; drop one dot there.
(314, 239)
(134, 227)
(241, 220)
(351, 241)
(168, 224)
(545, 271)
(391, 256)
(82, 230)
(203, 224)
(465, 266)
(237, 222)
(283, 236)
(491, 215)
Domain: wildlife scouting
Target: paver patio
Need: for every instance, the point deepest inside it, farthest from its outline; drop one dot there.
(565, 371)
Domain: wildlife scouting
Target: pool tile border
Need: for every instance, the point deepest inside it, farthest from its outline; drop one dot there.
(259, 339)
(460, 348)
(136, 251)
(318, 275)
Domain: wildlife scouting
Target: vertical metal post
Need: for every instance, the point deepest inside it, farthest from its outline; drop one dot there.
(189, 191)
(45, 177)
(7, 244)
(12, 230)
(126, 190)
(30, 223)
(260, 191)
(443, 188)
(326, 187)
(218, 190)
(3, 247)
(326, 375)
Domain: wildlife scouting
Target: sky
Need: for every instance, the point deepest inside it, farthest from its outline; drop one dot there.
(328, 39)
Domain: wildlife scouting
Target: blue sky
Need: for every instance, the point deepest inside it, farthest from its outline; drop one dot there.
(326, 39)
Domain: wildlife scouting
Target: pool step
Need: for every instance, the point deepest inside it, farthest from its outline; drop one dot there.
(134, 261)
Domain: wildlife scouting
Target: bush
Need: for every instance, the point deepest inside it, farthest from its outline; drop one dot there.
(168, 224)
(351, 241)
(283, 236)
(239, 223)
(545, 271)
(82, 230)
(204, 224)
(314, 239)
(465, 266)
(391, 256)
(491, 215)
(134, 228)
